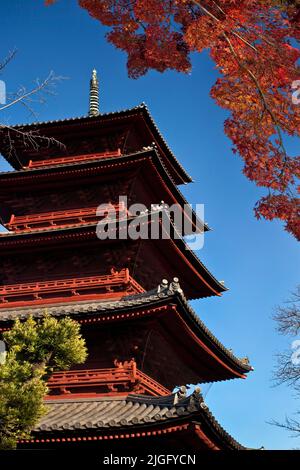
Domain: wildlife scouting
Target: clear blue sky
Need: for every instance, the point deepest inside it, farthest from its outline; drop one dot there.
(258, 260)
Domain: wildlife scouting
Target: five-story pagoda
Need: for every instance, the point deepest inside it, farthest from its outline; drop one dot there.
(143, 337)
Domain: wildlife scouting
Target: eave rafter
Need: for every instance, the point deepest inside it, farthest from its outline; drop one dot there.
(201, 281)
(138, 114)
(166, 304)
(190, 417)
(97, 169)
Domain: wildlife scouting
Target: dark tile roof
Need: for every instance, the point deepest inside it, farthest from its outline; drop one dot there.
(140, 108)
(103, 413)
(134, 411)
(150, 151)
(215, 286)
(150, 298)
(79, 308)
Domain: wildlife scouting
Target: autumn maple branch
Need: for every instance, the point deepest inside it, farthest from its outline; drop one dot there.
(211, 15)
(260, 91)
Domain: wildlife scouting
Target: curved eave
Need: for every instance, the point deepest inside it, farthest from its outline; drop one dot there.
(13, 241)
(38, 175)
(222, 438)
(215, 286)
(145, 416)
(180, 174)
(150, 304)
(236, 364)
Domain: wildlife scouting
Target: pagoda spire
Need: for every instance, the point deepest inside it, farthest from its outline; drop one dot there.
(94, 95)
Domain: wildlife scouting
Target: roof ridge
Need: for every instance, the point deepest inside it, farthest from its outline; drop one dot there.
(61, 418)
(141, 107)
(165, 292)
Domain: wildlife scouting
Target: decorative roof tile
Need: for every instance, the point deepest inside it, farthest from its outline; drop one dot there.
(121, 113)
(135, 411)
(164, 294)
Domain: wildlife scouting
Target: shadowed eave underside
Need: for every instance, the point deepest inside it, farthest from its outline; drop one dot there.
(113, 310)
(178, 173)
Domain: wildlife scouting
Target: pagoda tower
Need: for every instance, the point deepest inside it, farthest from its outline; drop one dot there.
(131, 296)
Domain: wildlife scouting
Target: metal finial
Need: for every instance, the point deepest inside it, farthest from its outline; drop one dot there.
(94, 95)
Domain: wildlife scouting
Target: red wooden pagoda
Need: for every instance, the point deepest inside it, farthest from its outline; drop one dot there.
(143, 337)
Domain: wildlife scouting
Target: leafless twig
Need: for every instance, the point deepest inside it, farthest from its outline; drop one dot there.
(7, 59)
(13, 137)
(40, 89)
(288, 316)
(290, 424)
(287, 370)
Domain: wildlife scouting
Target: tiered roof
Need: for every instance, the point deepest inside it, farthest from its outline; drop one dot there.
(172, 312)
(66, 129)
(151, 334)
(98, 167)
(174, 254)
(136, 418)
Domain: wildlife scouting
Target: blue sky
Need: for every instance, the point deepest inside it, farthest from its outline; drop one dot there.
(258, 260)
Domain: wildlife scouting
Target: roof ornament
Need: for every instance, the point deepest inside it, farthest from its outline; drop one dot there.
(196, 393)
(162, 206)
(180, 395)
(152, 146)
(163, 286)
(245, 360)
(94, 95)
(169, 288)
(148, 147)
(195, 399)
(175, 286)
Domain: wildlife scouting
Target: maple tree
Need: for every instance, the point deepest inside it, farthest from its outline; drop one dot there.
(252, 43)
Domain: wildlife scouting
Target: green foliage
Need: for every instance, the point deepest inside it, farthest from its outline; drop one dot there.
(21, 393)
(35, 350)
(57, 344)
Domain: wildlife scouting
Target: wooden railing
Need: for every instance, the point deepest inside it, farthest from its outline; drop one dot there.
(72, 159)
(114, 285)
(124, 377)
(20, 223)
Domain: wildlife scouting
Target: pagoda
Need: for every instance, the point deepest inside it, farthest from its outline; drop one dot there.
(146, 345)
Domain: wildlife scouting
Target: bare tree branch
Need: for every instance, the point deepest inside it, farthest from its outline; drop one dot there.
(290, 424)
(12, 136)
(23, 95)
(7, 59)
(29, 139)
(287, 370)
(288, 317)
